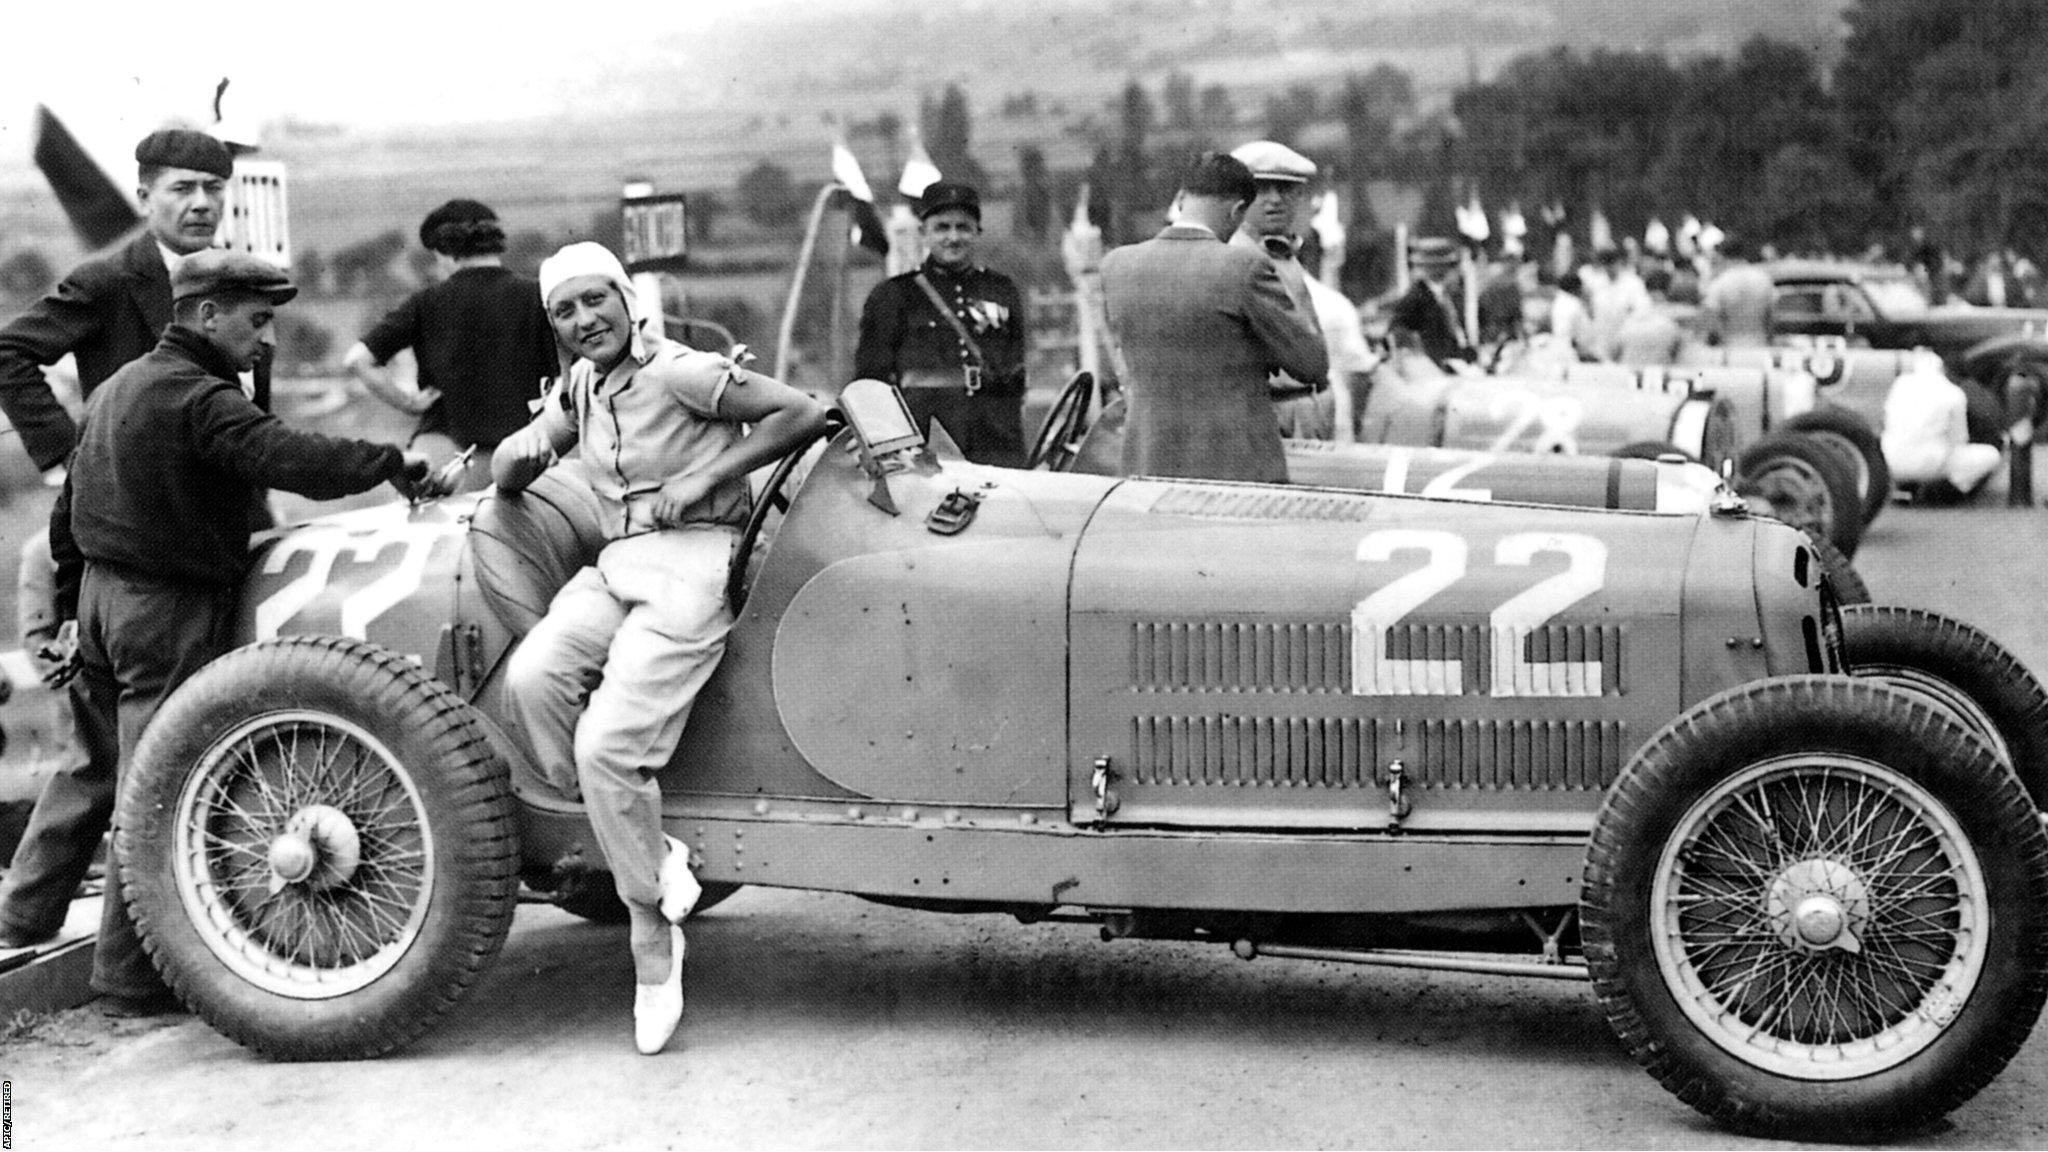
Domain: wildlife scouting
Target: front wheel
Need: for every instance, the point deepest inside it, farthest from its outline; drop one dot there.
(318, 846)
(1817, 907)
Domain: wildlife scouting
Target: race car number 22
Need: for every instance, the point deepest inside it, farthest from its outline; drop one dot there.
(1375, 672)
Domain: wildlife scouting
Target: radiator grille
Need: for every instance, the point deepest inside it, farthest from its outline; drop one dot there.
(1352, 752)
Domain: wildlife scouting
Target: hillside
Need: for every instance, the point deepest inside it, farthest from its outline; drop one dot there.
(694, 111)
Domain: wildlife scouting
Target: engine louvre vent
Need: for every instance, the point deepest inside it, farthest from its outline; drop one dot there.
(1352, 752)
(1234, 502)
(1417, 659)
(1246, 657)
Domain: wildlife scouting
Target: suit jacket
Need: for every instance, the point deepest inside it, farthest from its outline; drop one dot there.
(111, 309)
(1419, 311)
(1200, 325)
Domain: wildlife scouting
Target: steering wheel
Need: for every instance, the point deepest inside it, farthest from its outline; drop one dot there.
(1059, 437)
(772, 498)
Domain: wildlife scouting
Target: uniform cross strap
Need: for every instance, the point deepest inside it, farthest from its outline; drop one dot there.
(979, 368)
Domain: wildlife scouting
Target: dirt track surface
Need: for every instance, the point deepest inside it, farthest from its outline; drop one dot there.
(821, 1021)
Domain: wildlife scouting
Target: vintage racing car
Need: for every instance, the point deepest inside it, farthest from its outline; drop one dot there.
(1295, 721)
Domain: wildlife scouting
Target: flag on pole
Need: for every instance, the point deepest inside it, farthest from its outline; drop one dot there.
(860, 200)
(100, 213)
(1512, 229)
(1689, 235)
(1600, 234)
(919, 173)
(1657, 238)
(1472, 220)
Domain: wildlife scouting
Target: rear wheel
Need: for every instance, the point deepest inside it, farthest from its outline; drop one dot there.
(1814, 908)
(1964, 671)
(318, 847)
(1808, 483)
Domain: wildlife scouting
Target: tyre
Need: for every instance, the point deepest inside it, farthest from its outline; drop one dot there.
(1814, 909)
(1848, 583)
(1808, 483)
(319, 848)
(594, 899)
(1966, 672)
(1852, 432)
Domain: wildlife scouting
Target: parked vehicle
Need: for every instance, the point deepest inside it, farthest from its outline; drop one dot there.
(1620, 746)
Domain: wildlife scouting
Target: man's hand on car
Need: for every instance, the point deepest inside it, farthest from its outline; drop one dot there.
(418, 481)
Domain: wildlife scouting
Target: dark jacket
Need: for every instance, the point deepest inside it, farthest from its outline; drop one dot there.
(108, 311)
(901, 331)
(1420, 312)
(483, 341)
(1201, 325)
(170, 458)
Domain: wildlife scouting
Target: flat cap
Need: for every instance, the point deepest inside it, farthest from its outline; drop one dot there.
(1432, 250)
(214, 271)
(943, 194)
(184, 148)
(1270, 160)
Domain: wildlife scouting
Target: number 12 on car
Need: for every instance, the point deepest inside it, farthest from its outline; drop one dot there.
(1375, 671)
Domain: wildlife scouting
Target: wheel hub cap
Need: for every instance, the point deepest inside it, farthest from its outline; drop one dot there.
(319, 848)
(1817, 905)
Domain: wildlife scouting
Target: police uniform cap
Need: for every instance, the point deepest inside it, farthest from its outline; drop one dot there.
(1271, 160)
(1432, 250)
(943, 194)
(217, 271)
(184, 148)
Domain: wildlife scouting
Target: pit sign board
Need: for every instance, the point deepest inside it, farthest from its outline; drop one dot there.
(657, 232)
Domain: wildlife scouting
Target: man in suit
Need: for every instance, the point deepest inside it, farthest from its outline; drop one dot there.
(1427, 311)
(108, 311)
(1200, 325)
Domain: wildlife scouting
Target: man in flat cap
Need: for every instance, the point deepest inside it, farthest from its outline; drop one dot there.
(108, 311)
(1273, 225)
(950, 334)
(480, 338)
(1200, 326)
(151, 530)
(1428, 311)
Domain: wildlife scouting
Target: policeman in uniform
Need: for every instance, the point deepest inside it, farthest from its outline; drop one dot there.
(151, 530)
(951, 334)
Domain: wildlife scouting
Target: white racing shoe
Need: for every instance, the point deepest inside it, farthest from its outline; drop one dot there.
(658, 1008)
(679, 888)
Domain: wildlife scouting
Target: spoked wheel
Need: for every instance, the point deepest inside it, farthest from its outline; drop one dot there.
(1813, 909)
(1820, 916)
(303, 842)
(318, 847)
(1059, 436)
(1853, 437)
(1808, 483)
